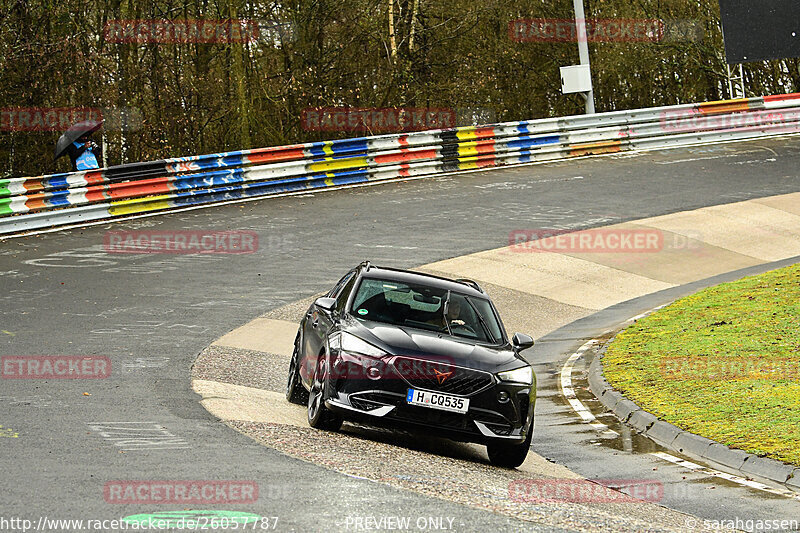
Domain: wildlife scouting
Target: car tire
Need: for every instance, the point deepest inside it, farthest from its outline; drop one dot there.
(295, 392)
(507, 455)
(319, 416)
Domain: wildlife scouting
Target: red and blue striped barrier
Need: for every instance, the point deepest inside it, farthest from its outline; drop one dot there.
(52, 200)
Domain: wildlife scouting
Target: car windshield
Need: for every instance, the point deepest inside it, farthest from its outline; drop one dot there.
(428, 308)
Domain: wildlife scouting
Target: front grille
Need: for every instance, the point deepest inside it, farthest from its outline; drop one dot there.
(433, 417)
(494, 421)
(489, 417)
(368, 401)
(441, 377)
(500, 429)
(364, 405)
(383, 398)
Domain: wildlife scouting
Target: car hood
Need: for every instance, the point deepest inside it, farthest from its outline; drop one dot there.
(396, 340)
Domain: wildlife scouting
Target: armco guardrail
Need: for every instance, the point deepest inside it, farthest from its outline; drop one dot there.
(45, 201)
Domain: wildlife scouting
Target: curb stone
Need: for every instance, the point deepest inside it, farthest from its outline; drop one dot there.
(762, 467)
(719, 453)
(625, 409)
(597, 382)
(794, 479)
(664, 433)
(610, 398)
(690, 443)
(641, 420)
(681, 441)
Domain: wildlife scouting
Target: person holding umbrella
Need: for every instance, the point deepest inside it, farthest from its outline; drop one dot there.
(77, 143)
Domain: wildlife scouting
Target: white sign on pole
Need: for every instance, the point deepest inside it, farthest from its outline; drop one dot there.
(576, 79)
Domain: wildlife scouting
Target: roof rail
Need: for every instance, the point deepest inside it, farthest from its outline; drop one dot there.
(471, 283)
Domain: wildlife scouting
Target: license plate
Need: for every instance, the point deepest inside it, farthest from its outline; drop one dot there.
(435, 400)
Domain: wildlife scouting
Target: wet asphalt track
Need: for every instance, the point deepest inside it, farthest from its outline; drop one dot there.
(151, 314)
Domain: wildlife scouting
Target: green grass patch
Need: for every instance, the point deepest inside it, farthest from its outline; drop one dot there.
(723, 363)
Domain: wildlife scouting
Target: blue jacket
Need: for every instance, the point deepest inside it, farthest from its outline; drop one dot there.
(83, 157)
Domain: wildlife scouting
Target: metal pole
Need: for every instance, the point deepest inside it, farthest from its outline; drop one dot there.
(730, 81)
(103, 149)
(741, 80)
(736, 81)
(583, 49)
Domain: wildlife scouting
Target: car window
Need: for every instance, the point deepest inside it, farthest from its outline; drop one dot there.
(334, 292)
(423, 307)
(341, 298)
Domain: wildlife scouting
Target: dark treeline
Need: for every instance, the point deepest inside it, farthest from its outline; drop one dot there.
(191, 98)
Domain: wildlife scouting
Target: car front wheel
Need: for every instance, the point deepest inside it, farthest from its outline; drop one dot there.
(319, 416)
(295, 392)
(507, 455)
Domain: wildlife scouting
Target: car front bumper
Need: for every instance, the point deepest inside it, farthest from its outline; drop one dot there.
(498, 410)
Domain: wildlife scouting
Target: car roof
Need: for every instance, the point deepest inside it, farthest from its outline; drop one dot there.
(467, 287)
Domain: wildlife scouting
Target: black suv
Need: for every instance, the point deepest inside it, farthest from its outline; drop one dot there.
(393, 347)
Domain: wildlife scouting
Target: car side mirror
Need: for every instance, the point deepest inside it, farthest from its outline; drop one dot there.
(326, 304)
(520, 341)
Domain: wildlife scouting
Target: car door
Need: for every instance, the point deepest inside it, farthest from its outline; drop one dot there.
(318, 324)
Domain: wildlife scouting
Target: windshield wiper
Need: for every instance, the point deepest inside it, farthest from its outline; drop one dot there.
(445, 308)
(483, 322)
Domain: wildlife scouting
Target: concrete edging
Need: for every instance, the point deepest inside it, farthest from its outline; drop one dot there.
(674, 438)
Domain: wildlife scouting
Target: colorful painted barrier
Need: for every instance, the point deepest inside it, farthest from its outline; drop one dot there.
(45, 201)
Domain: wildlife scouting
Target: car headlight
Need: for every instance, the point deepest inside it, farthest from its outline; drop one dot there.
(520, 375)
(352, 344)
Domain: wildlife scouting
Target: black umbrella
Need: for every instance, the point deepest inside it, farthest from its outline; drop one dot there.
(75, 132)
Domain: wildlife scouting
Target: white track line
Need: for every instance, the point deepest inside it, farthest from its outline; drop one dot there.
(730, 477)
(642, 315)
(569, 392)
(587, 416)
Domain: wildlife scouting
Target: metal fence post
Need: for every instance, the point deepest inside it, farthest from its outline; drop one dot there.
(583, 49)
